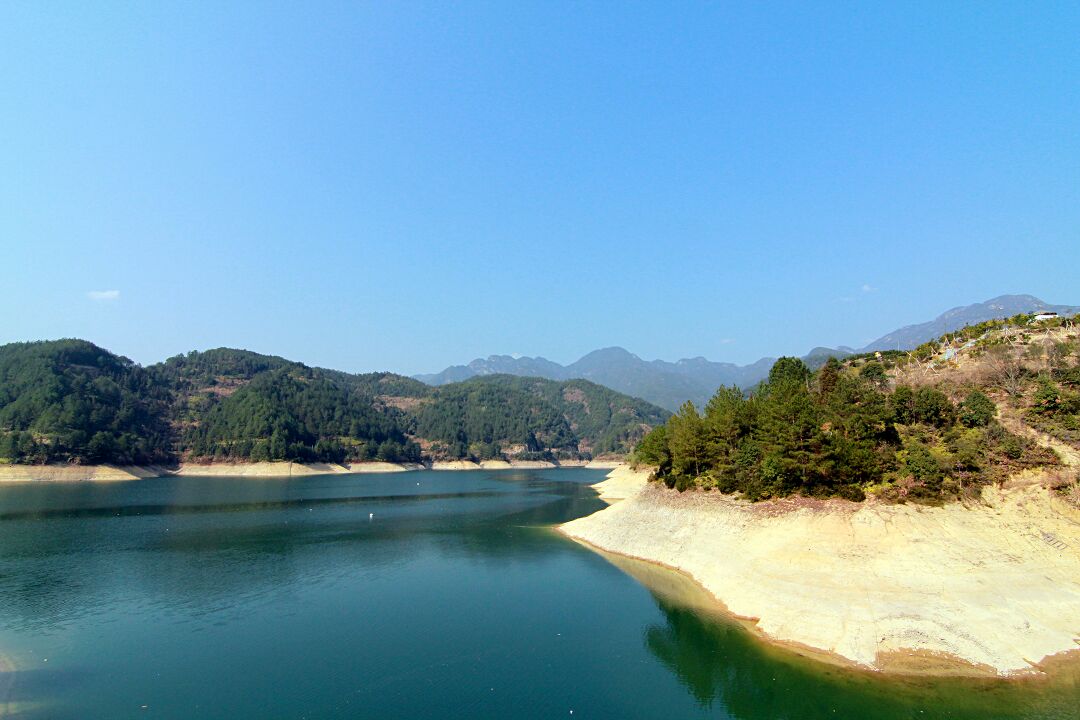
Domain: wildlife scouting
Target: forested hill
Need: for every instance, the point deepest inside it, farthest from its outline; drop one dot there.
(71, 401)
(933, 424)
(534, 416)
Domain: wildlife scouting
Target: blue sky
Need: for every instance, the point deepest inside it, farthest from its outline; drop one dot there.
(404, 186)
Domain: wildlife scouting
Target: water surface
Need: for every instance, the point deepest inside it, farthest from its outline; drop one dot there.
(413, 595)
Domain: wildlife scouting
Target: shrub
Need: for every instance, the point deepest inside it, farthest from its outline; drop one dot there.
(1046, 397)
(967, 450)
(1068, 376)
(977, 410)
(933, 407)
(851, 492)
(921, 464)
(902, 404)
(1013, 447)
(874, 372)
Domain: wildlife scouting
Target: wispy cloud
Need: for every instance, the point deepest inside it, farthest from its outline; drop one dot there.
(868, 288)
(726, 341)
(104, 295)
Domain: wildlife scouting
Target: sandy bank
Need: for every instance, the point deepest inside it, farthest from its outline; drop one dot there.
(994, 586)
(622, 482)
(491, 465)
(592, 464)
(290, 469)
(384, 467)
(261, 469)
(604, 464)
(76, 473)
(454, 465)
(108, 473)
(286, 469)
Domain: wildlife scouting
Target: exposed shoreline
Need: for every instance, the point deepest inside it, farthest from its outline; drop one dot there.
(974, 590)
(78, 473)
(116, 473)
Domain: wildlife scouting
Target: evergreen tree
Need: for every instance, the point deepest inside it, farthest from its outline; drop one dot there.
(827, 376)
(686, 438)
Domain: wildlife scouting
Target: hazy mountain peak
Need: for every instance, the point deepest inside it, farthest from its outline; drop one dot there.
(610, 353)
(1002, 306)
(669, 384)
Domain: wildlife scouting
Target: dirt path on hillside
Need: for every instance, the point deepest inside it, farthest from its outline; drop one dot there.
(1014, 423)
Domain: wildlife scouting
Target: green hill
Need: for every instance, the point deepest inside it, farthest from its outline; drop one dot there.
(297, 413)
(932, 424)
(533, 418)
(71, 401)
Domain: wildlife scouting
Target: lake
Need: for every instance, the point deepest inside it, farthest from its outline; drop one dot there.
(409, 595)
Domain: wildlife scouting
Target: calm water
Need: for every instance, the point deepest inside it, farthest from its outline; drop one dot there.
(242, 598)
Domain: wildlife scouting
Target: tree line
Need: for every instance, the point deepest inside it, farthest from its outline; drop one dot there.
(837, 432)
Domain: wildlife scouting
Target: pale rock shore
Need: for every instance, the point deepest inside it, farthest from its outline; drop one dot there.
(382, 467)
(101, 473)
(491, 465)
(983, 588)
(290, 469)
(621, 483)
(521, 464)
(77, 473)
(260, 469)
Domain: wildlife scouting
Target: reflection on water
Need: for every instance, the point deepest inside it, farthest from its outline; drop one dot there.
(413, 595)
(234, 541)
(724, 666)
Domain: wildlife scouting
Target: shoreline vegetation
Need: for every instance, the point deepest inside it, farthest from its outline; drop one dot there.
(115, 473)
(985, 587)
(906, 513)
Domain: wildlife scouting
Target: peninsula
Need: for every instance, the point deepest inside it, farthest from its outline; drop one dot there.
(968, 566)
(991, 587)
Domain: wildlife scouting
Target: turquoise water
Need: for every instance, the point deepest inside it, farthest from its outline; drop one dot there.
(416, 595)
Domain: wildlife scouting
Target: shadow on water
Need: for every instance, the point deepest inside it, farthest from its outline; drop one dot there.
(726, 667)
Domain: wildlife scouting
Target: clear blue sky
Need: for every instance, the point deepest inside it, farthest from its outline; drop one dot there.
(404, 186)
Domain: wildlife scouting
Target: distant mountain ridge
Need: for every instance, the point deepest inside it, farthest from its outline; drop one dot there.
(1003, 306)
(669, 384)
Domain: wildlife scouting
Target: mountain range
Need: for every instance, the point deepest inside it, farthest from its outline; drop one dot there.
(70, 401)
(669, 384)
